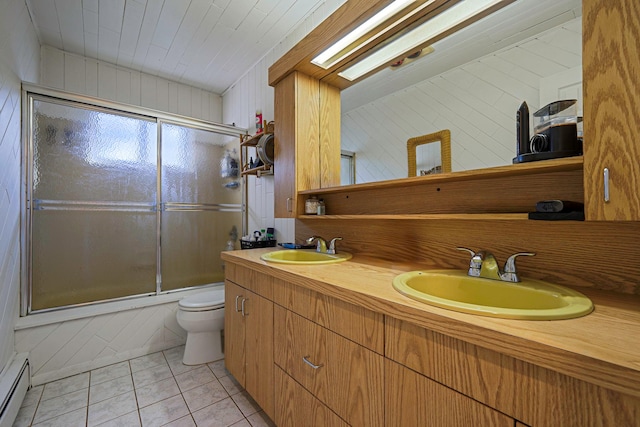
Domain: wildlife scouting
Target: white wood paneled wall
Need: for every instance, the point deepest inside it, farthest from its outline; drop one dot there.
(252, 92)
(70, 347)
(476, 101)
(74, 73)
(19, 60)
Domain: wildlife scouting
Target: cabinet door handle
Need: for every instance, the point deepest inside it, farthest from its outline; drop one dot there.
(237, 297)
(606, 185)
(289, 204)
(308, 362)
(244, 313)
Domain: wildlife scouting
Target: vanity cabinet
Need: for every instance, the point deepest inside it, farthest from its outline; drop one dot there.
(248, 335)
(336, 366)
(525, 392)
(611, 64)
(415, 400)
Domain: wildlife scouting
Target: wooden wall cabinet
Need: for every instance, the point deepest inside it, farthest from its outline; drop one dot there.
(611, 66)
(248, 338)
(307, 140)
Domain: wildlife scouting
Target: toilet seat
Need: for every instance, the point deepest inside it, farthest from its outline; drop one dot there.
(203, 301)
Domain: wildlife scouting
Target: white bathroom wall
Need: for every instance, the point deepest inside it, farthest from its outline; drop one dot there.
(19, 60)
(251, 93)
(476, 101)
(88, 76)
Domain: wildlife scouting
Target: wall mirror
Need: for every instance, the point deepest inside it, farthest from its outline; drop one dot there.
(429, 154)
(472, 84)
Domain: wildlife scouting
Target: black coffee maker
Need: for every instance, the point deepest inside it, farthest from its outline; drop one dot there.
(555, 132)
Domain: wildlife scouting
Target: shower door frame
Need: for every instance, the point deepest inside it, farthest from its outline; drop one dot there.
(29, 93)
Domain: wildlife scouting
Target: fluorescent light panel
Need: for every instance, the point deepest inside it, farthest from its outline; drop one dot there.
(325, 61)
(418, 36)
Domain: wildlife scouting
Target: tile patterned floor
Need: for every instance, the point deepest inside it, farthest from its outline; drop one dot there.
(149, 391)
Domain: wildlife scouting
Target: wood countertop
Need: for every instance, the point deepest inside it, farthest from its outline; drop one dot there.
(602, 348)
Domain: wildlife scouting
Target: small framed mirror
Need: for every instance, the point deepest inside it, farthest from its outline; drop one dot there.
(429, 154)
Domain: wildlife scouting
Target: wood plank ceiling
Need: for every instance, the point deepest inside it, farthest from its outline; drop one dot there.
(205, 43)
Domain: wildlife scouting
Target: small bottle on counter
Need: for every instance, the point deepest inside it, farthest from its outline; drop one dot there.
(311, 206)
(321, 208)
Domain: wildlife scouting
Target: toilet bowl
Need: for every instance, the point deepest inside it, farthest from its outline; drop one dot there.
(202, 316)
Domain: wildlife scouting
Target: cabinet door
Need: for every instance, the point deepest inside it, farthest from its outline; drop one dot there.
(296, 407)
(234, 331)
(259, 351)
(611, 108)
(345, 376)
(415, 400)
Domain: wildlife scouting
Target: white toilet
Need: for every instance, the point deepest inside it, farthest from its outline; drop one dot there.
(202, 316)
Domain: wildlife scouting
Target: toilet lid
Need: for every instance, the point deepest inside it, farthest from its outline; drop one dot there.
(208, 299)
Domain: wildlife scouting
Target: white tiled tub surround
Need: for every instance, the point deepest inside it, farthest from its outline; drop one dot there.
(152, 390)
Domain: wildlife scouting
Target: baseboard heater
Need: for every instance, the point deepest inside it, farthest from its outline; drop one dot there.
(14, 384)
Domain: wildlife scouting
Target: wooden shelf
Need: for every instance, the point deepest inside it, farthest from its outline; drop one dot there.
(464, 217)
(252, 141)
(521, 169)
(259, 171)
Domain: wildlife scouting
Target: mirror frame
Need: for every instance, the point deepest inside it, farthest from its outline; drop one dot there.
(443, 137)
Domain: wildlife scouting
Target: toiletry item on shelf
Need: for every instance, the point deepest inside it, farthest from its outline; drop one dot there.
(259, 127)
(311, 206)
(320, 210)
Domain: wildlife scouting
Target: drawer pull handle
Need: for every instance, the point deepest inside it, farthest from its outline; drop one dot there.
(244, 313)
(606, 185)
(308, 362)
(237, 297)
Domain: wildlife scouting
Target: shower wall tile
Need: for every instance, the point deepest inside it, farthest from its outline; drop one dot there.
(71, 347)
(19, 61)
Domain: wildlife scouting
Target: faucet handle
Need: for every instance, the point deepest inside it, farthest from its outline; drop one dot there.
(321, 245)
(475, 264)
(510, 274)
(332, 245)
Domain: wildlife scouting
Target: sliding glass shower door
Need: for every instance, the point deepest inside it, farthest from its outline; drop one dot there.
(199, 208)
(121, 204)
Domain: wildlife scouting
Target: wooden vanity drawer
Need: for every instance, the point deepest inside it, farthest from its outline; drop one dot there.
(250, 279)
(296, 407)
(414, 400)
(531, 394)
(351, 321)
(345, 376)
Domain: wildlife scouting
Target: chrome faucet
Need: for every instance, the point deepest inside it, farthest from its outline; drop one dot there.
(322, 244)
(484, 264)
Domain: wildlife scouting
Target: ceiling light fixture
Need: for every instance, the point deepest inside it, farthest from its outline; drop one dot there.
(420, 35)
(359, 36)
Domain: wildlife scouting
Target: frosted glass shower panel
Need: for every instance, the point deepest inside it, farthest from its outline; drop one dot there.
(87, 256)
(92, 154)
(191, 246)
(191, 165)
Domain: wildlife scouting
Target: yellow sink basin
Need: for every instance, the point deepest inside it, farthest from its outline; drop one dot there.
(528, 300)
(304, 256)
